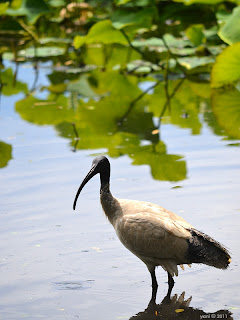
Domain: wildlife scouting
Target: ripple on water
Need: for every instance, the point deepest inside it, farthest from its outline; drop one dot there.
(73, 285)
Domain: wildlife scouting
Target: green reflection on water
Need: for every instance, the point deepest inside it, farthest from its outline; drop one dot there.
(123, 113)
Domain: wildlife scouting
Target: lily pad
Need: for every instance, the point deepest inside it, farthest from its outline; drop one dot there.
(142, 18)
(195, 34)
(101, 32)
(32, 9)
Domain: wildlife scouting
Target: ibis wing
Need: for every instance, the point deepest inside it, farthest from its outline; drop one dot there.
(149, 235)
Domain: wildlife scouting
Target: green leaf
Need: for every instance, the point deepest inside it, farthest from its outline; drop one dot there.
(55, 40)
(3, 7)
(32, 9)
(5, 153)
(9, 85)
(226, 108)
(195, 34)
(41, 52)
(142, 18)
(194, 62)
(101, 32)
(82, 86)
(120, 2)
(189, 2)
(230, 31)
(226, 69)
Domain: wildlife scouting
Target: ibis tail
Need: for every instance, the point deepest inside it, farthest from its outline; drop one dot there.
(204, 249)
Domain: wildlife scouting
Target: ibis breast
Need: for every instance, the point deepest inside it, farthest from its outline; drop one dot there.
(157, 236)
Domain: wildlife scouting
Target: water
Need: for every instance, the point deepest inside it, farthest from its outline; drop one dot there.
(59, 264)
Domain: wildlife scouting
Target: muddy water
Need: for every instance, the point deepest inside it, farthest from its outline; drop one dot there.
(60, 264)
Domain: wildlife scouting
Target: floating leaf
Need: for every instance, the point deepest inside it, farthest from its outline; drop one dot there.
(41, 52)
(226, 70)
(189, 2)
(101, 32)
(230, 31)
(5, 154)
(54, 40)
(142, 18)
(194, 62)
(195, 34)
(32, 9)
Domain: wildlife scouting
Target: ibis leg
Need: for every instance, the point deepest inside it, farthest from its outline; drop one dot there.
(170, 285)
(154, 285)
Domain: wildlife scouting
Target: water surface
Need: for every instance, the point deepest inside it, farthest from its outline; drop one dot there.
(60, 264)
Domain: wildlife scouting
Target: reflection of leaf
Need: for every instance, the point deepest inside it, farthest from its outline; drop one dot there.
(116, 55)
(163, 166)
(226, 70)
(230, 31)
(184, 104)
(9, 85)
(101, 32)
(45, 112)
(82, 86)
(5, 153)
(226, 107)
(32, 9)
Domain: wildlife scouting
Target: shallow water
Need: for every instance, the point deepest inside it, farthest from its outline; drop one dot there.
(59, 264)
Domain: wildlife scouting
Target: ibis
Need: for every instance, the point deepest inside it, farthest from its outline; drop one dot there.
(155, 235)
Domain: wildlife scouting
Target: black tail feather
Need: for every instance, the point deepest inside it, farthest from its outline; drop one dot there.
(204, 249)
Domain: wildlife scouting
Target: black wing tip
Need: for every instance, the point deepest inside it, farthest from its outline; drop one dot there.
(204, 249)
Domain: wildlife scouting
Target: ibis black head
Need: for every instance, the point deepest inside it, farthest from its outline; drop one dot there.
(100, 165)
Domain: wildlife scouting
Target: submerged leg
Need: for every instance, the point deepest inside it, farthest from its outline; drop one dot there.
(154, 285)
(170, 285)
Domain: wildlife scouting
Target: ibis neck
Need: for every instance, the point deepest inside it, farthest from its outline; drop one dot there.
(110, 205)
(104, 178)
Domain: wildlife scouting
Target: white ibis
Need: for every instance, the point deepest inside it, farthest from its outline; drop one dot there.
(155, 235)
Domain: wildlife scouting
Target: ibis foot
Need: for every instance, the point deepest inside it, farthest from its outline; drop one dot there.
(170, 285)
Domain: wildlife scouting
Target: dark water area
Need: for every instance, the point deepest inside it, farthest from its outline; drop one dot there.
(56, 263)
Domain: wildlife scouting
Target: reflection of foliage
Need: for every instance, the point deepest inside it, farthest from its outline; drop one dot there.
(9, 83)
(226, 107)
(5, 153)
(122, 70)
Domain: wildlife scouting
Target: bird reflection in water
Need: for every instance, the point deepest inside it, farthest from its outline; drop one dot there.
(177, 307)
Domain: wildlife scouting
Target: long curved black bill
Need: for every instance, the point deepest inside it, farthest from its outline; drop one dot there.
(89, 176)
